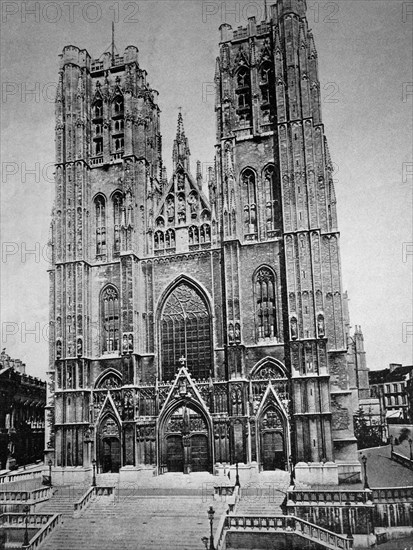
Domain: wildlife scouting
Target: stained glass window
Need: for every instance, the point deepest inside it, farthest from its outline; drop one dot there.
(110, 319)
(100, 208)
(265, 304)
(186, 332)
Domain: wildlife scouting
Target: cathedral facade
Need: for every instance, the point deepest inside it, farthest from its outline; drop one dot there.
(198, 323)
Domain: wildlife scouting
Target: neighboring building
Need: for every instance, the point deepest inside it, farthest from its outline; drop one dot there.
(409, 392)
(370, 405)
(391, 386)
(22, 403)
(199, 322)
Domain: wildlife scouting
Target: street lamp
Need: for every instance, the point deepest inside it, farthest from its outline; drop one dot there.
(211, 513)
(237, 483)
(94, 472)
(50, 463)
(411, 452)
(26, 543)
(391, 443)
(366, 483)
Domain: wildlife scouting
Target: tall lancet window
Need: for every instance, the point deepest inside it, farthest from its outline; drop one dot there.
(186, 332)
(250, 202)
(117, 124)
(243, 93)
(270, 198)
(100, 215)
(265, 305)
(110, 319)
(117, 220)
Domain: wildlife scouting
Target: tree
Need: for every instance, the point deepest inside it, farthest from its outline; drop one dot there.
(366, 430)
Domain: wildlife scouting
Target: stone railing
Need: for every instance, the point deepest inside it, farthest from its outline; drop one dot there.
(26, 497)
(13, 519)
(90, 495)
(44, 532)
(389, 495)
(403, 460)
(288, 525)
(325, 498)
(21, 476)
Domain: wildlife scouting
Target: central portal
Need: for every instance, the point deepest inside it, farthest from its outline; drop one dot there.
(185, 442)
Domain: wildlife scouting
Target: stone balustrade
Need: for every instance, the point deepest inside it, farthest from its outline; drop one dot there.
(288, 525)
(90, 495)
(392, 494)
(324, 498)
(20, 476)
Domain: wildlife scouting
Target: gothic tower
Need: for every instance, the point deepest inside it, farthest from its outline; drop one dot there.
(278, 207)
(199, 323)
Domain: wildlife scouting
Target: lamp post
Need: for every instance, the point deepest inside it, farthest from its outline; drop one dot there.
(50, 463)
(237, 483)
(366, 483)
(391, 443)
(211, 513)
(26, 543)
(291, 470)
(94, 472)
(411, 451)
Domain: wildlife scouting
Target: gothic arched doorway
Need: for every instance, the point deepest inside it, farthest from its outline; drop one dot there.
(185, 445)
(109, 446)
(272, 441)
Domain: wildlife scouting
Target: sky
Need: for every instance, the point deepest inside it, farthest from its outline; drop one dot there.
(365, 60)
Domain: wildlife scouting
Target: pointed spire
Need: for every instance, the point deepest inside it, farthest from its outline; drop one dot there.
(180, 133)
(181, 152)
(113, 43)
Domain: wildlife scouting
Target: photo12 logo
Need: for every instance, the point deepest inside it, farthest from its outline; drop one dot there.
(69, 12)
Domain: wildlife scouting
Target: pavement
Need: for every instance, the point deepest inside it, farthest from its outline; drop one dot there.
(382, 471)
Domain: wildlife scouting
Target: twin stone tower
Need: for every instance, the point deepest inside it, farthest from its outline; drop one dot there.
(199, 321)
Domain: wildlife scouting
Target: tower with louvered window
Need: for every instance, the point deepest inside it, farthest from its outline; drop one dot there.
(199, 320)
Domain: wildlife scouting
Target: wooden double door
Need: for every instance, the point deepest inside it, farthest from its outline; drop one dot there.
(110, 455)
(187, 453)
(273, 455)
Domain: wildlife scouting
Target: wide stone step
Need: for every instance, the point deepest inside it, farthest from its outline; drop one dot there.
(153, 522)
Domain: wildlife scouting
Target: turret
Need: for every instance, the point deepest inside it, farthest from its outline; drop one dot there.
(181, 152)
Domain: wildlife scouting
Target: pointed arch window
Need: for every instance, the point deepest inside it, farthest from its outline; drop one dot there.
(266, 83)
(271, 203)
(250, 202)
(265, 304)
(243, 93)
(110, 319)
(100, 217)
(117, 220)
(185, 331)
(98, 109)
(118, 105)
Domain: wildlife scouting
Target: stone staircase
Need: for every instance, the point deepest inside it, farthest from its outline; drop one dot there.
(62, 501)
(146, 519)
(264, 495)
